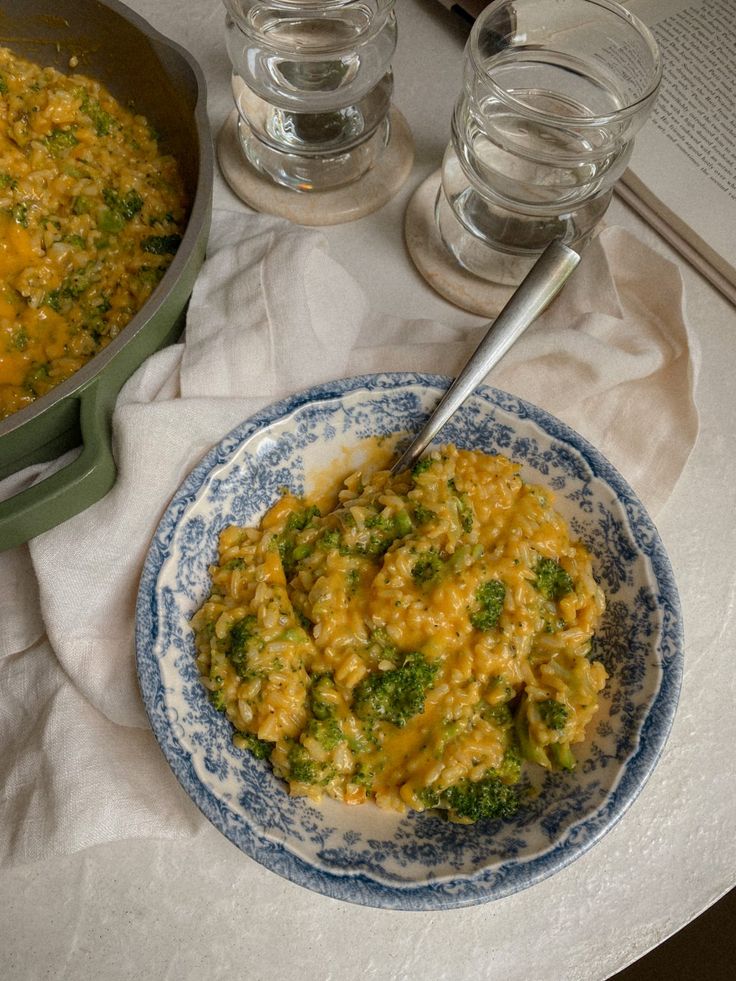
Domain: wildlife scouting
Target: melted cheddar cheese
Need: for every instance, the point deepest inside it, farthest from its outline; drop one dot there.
(90, 216)
(412, 645)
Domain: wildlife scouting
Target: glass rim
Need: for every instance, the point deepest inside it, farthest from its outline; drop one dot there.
(587, 119)
(310, 3)
(316, 8)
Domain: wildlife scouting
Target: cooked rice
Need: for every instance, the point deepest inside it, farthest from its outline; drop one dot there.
(91, 214)
(306, 612)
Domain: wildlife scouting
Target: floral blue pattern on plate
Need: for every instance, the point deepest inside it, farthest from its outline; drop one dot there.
(362, 854)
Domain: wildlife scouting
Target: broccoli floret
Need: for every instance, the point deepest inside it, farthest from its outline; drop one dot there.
(19, 213)
(237, 563)
(376, 546)
(320, 707)
(302, 768)
(499, 714)
(3, 86)
(498, 683)
(421, 467)
(291, 635)
(161, 244)
(285, 546)
(150, 277)
(217, 698)
(36, 377)
(289, 550)
(242, 634)
(363, 776)
(491, 797)
(82, 205)
(551, 580)
(102, 121)
(323, 725)
(477, 800)
(429, 797)
(384, 532)
(327, 732)
(509, 770)
(329, 539)
(397, 695)
(258, 747)
(423, 515)
(301, 551)
(298, 520)
(127, 205)
(490, 597)
(71, 289)
(427, 568)
(397, 524)
(553, 713)
(59, 140)
(465, 513)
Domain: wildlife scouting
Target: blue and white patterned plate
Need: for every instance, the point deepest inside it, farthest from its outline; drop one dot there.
(362, 854)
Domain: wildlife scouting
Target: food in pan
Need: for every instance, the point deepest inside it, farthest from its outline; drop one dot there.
(91, 214)
(414, 645)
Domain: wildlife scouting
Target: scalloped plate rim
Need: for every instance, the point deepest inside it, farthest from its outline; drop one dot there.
(635, 770)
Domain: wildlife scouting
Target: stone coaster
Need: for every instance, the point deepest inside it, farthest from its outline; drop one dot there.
(377, 186)
(438, 266)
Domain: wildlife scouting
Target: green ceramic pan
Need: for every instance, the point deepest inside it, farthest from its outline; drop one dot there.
(164, 82)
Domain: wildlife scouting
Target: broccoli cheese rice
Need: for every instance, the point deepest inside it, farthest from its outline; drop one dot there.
(90, 216)
(414, 645)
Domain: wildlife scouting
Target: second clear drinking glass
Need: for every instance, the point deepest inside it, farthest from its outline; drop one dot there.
(554, 92)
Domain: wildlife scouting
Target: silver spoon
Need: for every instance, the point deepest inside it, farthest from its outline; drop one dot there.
(538, 288)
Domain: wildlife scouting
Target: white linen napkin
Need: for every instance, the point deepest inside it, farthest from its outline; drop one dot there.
(272, 312)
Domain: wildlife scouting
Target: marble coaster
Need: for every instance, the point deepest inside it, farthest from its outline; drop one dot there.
(437, 266)
(377, 186)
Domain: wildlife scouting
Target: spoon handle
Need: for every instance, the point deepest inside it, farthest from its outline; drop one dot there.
(540, 286)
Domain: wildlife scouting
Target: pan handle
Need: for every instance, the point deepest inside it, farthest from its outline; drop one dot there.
(73, 488)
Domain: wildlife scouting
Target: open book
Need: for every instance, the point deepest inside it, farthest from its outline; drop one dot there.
(682, 174)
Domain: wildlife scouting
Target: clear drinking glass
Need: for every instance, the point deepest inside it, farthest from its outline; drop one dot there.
(554, 92)
(312, 82)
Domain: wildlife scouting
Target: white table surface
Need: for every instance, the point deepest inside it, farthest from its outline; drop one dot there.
(201, 909)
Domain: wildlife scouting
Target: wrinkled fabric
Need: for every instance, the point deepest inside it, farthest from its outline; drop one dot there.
(273, 312)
